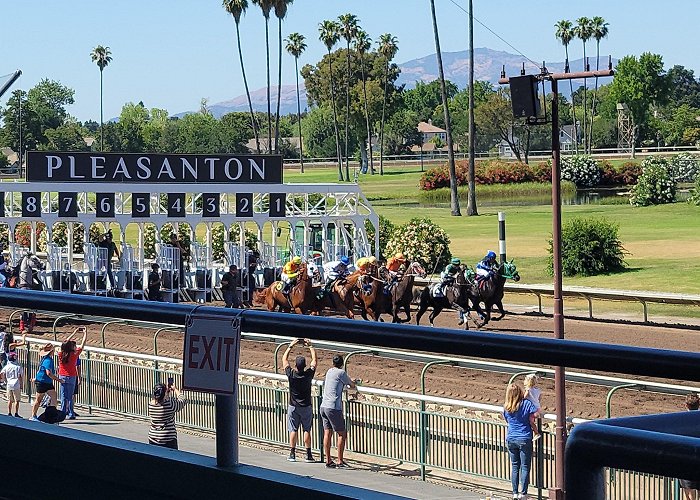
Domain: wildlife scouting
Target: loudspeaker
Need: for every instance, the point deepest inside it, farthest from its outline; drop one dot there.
(523, 96)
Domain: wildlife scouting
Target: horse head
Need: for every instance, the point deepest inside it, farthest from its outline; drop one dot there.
(508, 270)
(417, 269)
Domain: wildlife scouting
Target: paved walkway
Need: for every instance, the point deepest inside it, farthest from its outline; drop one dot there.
(392, 480)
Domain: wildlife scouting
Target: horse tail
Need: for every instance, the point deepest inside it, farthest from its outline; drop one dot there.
(260, 296)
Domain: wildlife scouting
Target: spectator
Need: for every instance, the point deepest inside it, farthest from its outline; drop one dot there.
(300, 411)
(10, 344)
(332, 411)
(27, 321)
(13, 375)
(230, 282)
(68, 372)
(154, 284)
(3, 355)
(78, 383)
(532, 394)
(45, 377)
(691, 489)
(162, 408)
(253, 258)
(520, 416)
(184, 255)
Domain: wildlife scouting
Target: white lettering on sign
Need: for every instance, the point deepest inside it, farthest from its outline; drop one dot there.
(98, 166)
(211, 353)
(52, 163)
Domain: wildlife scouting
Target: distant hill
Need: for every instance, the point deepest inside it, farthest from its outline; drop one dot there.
(487, 66)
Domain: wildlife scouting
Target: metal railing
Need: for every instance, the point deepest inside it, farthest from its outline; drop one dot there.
(458, 437)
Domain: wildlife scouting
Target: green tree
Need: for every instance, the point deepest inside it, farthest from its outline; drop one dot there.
(329, 34)
(235, 131)
(236, 8)
(101, 56)
(401, 132)
(281, 7)
(584, 32)
(319, 133)
(388, 47)
(454, 197)
(362, 44)
(675, 125)
(683, 87)
(296, 45)
(640, 83)
(131, 127)
(349, 26)
(426, 97)
(43, 107)
(67, 137)
(495, 118)
(266, 6)
(565, 33)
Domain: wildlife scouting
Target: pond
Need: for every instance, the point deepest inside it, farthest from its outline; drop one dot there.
(606, 196)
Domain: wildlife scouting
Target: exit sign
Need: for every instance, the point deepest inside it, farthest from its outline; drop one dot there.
(211, 354)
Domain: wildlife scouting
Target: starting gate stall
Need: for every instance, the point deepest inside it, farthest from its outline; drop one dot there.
(60, 277)
(95, 262)
(130, 275)
(169, 261)
(17, 252)
(152, 190)
(200, 266)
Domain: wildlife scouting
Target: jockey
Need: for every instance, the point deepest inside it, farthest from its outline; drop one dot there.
(487, 267)
(335, 270)
(450, 272)
(395, 263)
(290, 271)
(364, 265)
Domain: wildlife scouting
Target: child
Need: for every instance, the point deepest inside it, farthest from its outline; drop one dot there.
(532, 394)
(13, 374)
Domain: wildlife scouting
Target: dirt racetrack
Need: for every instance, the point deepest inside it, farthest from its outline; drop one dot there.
(585, 401)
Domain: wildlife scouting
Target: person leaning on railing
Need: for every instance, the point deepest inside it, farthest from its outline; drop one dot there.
(166, 402)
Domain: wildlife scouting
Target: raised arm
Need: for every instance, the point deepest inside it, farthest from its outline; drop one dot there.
(308, 344)
(285, 356)
(82, 341)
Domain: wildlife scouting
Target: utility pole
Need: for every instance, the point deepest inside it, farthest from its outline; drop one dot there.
(471, 198)
(558, 493)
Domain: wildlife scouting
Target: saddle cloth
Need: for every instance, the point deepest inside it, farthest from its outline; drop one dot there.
(436, 291)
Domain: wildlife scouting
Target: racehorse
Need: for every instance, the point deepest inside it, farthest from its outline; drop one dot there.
(339, 297)
(400, 292)
(490, 291)
(457, 294)
(374, 301)
(301, 298)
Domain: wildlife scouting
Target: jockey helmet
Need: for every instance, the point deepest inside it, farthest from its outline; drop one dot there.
(491, 254)
(344, 260)
(372, 260)
(400, 256)
(455, 261)
(296, 260)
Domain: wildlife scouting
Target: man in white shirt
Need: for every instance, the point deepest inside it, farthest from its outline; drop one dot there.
(13, 374)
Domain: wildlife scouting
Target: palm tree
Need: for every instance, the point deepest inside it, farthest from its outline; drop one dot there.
(266, 7)
(584, 31)
(388, 47)
(362, 44)
(471, 199)
(600, 31)
(280, 12)
(102, 56)
(296, 45)
(349, 25)
(236, 8)
(454, 200)
(329, 34)
(565, 33)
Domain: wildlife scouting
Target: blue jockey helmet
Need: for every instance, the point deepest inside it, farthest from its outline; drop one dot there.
(344, 260)
(491, 255)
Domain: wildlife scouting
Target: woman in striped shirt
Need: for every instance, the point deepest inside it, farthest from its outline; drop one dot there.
(162, 408)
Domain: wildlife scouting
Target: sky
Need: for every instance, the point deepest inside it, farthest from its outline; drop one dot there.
(171, 54)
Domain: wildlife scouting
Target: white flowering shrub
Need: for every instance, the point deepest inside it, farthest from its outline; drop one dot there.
(655, 186)
(421, 240)
(582, 170)
(695, 195)
(684, 167)
(59, 236)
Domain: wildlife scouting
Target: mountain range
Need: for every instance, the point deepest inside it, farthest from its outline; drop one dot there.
(488, 64)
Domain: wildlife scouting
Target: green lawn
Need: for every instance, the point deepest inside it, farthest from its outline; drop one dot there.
(663, 241)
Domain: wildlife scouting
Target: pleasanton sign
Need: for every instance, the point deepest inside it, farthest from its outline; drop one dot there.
(47, 166)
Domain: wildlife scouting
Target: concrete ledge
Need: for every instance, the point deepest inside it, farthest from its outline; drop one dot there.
(92, 466)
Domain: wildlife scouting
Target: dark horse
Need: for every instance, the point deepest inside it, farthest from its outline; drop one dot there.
(490, 291)
(400, 293)
(457, 295)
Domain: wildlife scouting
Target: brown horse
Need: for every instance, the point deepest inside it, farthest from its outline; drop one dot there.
(400, 292)
(374, 302)
(340, 297)
(301, 298)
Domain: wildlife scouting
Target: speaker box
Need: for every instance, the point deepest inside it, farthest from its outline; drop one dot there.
(523, 96)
